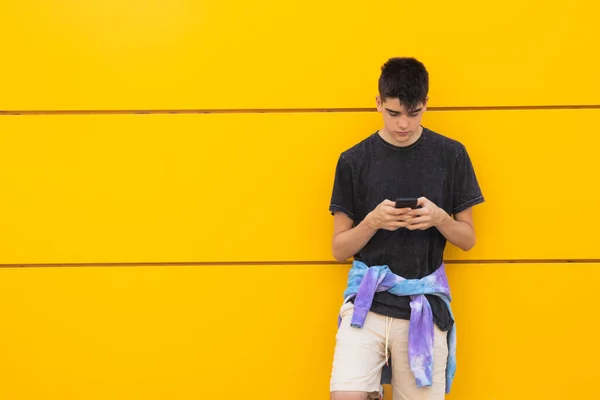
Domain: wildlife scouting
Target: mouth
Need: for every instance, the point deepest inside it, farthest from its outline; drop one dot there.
(403, 133)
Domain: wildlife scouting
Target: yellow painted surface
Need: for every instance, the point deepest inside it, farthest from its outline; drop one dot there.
(165, 54)
(256, 187)
(166, 333)
(267, 332)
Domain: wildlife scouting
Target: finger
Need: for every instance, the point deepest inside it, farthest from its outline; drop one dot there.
(418, 220)
(423, 201)
(395, 226)
(387, 202)
(420, 211)
(395, 211)
(400, 220)
(414, 227)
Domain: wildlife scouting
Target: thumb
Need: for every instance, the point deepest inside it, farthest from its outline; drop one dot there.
(423, 201)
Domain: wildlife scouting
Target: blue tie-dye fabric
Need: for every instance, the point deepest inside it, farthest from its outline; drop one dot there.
(364, 281)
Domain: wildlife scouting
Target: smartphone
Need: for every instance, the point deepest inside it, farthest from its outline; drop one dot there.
(406, 202)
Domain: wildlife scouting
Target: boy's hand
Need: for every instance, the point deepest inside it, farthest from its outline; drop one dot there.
(387, 216)
(427, 216)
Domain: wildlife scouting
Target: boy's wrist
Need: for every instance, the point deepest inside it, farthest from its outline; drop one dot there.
(443, 219)
(369, 223)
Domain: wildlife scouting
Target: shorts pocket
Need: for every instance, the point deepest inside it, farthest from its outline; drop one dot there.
(346, 310)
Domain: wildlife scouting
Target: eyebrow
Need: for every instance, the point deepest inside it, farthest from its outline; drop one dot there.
(399, 112)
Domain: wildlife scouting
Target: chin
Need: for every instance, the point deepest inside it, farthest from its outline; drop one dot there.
(401, 138)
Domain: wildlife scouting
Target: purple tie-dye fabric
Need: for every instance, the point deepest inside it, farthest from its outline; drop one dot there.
(364, 281)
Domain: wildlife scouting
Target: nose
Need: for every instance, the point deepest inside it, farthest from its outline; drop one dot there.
(403, 123)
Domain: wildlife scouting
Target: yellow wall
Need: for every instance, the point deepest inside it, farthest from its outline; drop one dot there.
(155, 333)
(142, 249)
(204, 54)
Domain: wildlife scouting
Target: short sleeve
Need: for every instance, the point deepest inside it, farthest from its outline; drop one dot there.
(466, 190)
(342, 198)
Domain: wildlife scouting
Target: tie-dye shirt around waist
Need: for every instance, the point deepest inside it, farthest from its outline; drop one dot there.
(364, 281)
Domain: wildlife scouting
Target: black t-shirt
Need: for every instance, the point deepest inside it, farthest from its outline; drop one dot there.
(436, 167)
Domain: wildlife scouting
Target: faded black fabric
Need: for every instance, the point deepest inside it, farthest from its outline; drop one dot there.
(436, 167)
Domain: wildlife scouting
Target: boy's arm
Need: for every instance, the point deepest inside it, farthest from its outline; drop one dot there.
(458, 230)
(347, 241)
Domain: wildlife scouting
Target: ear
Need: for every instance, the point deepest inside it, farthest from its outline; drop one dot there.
(425, 105)
(379, 103)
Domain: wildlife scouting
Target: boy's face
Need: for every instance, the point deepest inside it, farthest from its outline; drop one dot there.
(401, 127)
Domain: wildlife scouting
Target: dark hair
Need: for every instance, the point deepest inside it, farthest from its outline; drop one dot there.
(406, 79)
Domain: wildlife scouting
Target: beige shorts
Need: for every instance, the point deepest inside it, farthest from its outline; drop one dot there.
(360, 355)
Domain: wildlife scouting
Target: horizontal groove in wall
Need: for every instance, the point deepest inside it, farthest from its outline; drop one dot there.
(281, 263)
(285, 110)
